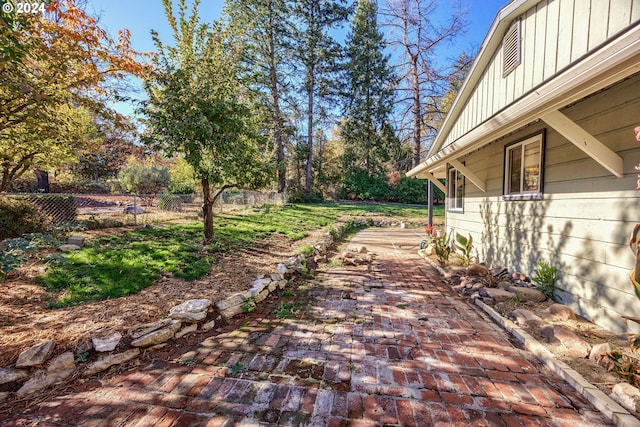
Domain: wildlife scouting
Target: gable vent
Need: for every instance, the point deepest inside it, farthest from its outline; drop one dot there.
(511, 49)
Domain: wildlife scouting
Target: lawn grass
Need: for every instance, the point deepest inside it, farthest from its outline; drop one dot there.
(125, 263)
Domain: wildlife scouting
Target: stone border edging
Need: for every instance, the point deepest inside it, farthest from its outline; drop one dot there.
(601, 401)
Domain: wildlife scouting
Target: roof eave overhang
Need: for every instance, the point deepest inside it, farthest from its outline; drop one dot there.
(613, 62)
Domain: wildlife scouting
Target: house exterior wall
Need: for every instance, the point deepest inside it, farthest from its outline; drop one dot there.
(554, 34)
(582, 223)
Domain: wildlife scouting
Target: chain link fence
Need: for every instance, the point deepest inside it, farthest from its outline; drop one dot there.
(109, 210)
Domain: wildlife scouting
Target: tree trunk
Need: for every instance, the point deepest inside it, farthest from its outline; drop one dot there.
(275, 98)
(308, 177)
(43, 181)
(207, 210)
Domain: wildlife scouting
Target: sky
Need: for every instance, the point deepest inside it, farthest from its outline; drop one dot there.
(141, 16)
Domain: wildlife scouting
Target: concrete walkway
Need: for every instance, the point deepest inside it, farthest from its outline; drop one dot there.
(380, 344)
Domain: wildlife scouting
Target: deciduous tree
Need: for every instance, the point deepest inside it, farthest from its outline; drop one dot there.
(199, 108)
(54, 63)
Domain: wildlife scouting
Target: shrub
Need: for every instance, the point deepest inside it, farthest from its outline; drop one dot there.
(181, 188)
(358, 184)
(297, 194)
(409, 190)
(144, 179)
(545, 276)
(19, 216)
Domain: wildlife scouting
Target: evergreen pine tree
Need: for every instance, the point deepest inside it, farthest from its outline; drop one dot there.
(367, 134)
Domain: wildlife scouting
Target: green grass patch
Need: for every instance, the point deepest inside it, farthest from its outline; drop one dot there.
(124, 264)
(287, 310)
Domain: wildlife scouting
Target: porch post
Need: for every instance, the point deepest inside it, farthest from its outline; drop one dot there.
(430, 202)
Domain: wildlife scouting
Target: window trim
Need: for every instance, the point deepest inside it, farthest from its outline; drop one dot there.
(452, 190)
(527, 195)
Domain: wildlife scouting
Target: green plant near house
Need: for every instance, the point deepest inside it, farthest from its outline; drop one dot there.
(464, 246)
(545, 276)
(443, 247)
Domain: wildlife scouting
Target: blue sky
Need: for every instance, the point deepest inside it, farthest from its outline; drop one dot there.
(140, 16)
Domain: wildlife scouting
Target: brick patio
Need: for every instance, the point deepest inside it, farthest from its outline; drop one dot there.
(382, 344)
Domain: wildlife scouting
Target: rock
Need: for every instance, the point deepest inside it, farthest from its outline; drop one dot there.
(258, 286)
(272, 286)
(528, 294)
(360, 249)
(208, 326)
(520, 276)
(3, 396)
(107, 343)
(526, 317)
(574, 345)
(548, 334)
(110, 360)
(282, 269)
(59, 369)
(499, 272)
(282, 284)
(190, 311)
(186, 330)
(478, 270)
(627, 395)
(275, 277)
(76, 240)
(10, 375)
(62, 364)
(141, 330)
(157, 346)
(504, 285)
(262, 296)
(234, 300)
(599, 353)
(158, 336)
(499, 295)
(561, 312)
(36, 355)
(69, 248)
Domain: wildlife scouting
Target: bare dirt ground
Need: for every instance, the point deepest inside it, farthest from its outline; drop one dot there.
(25, 319)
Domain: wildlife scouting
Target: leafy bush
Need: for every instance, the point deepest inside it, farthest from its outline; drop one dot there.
(297, 194)
(409, 190)
(358, 184)
(545, 276)
(181, 188)
(464, 246)
(19, 216)
(15, 251)
(144, 179)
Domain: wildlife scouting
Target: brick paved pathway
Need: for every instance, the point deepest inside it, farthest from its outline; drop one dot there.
(385, 344)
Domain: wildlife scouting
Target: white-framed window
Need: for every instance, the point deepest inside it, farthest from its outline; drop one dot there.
(523, 167)
(455, 190)
(511, 52)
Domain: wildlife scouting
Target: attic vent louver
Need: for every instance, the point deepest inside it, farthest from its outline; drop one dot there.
(511, 49)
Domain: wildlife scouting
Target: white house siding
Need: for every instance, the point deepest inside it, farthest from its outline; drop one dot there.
(584, 220)
(555, 33)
